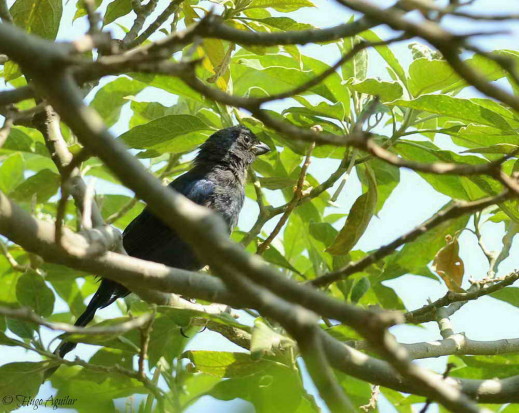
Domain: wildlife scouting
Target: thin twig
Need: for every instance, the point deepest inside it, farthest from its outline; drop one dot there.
(291, 205)
(372, 404)
(88, 201)
(27, 314)
(145, 331)
(12, 261)
(417, 316)
(455, 210)
(428, 402)
(5, 15)
(153, 27)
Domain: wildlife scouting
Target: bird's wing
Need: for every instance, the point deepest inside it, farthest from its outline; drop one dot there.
(200, 191)
(146, 232)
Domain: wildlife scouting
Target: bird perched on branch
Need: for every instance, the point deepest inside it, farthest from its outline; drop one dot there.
(216, 181)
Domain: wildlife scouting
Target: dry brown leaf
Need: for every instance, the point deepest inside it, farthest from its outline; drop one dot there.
(448, 264)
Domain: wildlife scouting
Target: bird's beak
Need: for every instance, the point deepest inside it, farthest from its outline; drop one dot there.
(260, 149)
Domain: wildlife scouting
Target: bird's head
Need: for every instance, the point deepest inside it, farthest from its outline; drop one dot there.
(236, 146)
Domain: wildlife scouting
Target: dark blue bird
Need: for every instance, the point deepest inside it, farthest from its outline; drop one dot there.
(216, 181)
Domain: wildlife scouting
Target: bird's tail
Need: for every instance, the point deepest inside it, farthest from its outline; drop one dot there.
(102, 298)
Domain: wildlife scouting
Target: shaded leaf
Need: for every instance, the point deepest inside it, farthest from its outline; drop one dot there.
(415, 255)
(265, 340)
(358, 219)
(32, 291)
(43, 184)
(11, 172)
(20, 379)
(109, 100)
(226, 364)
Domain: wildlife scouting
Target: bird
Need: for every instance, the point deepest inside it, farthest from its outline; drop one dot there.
(216, 181)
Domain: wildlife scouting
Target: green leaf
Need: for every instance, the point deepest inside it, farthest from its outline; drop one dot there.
(69, 291)
(387, 54)
(127, 342)
(457, 187)
(477, 136)
(415, 255)
(226, 364)
(335, 111)
(111, 204)
(509, 295)
(273, 388)
(18, 140)
(40, 17)
(387, 178)
(169, 134)
(273, 255)
(44, 184)
(81, 11)
(358, 219)
(281, 5)
(356, 68)
(7, 341)
(386, 91)
(11, 71)
(456, 108)
(11, 172)
(143, 112)
(22, 329)
(277, 182)
(194, 387)
(74, 383)
(500, 148)
(255, 75)
(109, 100)
(170, 84)
(323, 231)
(8, 281)
(265, 340)
(116, 9)
(360, 288)
(359, 391)
(426, 76)
(32, 291)
(20, 379)
(481, 367)
(285, 23)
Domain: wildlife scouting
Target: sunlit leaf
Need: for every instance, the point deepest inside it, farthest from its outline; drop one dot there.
(116, 9)
(172, 133)
(40, 17)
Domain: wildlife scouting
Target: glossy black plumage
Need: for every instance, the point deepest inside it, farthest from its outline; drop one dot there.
(216, 181)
